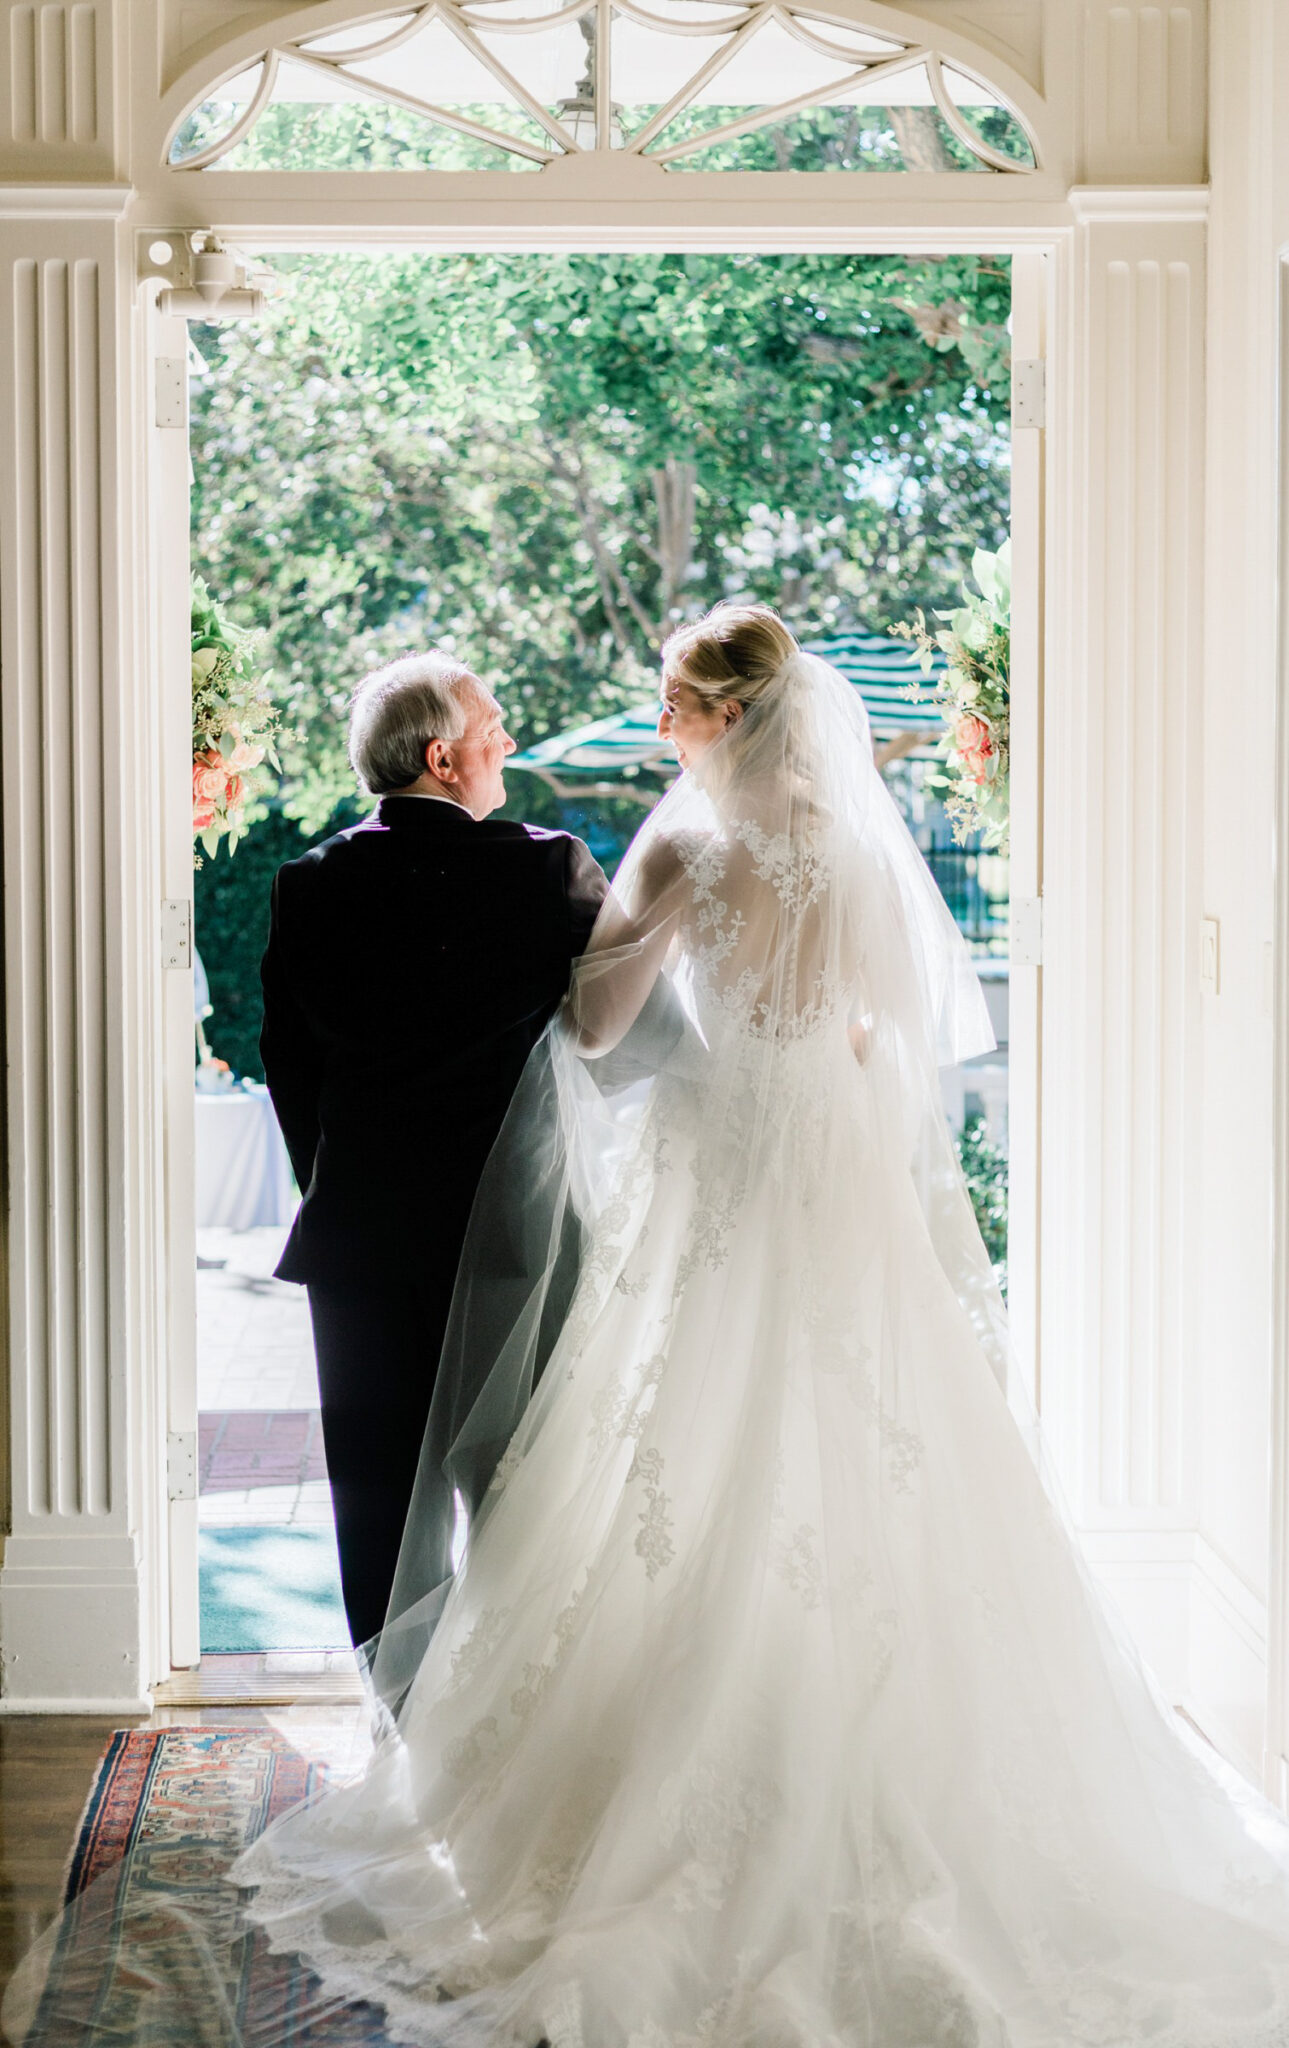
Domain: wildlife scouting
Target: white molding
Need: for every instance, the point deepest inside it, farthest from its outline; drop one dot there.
(1228, 1660)
(1149, 1577)
(727, 224)
(1243, 1608)
(60, 70)
(1139, 203)
(69, 1616)
(1144, 87)
(1031, 320)
(64, 202)
(1278, 1619)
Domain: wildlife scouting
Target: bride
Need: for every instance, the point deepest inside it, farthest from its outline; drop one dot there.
(771, 1706)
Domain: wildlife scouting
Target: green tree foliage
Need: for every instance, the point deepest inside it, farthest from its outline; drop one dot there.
(984, 1167)
(232, 899)
(323, 135)
(545, 462)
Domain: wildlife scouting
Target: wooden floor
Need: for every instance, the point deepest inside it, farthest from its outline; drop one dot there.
(47, 1766)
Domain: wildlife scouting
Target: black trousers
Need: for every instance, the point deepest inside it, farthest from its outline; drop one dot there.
(378, 1351)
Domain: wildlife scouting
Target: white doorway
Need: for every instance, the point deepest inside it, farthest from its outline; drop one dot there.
(245, 1280)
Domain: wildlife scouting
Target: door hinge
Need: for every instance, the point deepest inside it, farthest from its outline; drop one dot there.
(176, 932)
(172, 391)
(1029, 392)
(181, 1464)
(1025, 944)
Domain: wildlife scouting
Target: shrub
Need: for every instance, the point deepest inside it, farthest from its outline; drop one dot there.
(985, 1166)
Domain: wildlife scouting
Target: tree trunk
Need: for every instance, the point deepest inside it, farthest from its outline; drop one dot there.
(673, 496)
(921, 139)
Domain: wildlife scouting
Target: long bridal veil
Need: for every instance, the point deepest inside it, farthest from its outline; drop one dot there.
(837, 918)
(770, 1706)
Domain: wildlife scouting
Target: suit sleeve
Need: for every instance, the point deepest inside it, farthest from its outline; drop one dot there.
(585, 887)
(291, 1055)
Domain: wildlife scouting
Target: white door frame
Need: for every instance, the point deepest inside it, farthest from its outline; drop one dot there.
(168, 581)
(169, 483)
(1276, 1774)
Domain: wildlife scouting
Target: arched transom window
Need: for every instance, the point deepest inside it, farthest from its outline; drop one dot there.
(690, 85)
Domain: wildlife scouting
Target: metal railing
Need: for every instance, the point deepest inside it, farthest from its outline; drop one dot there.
(975, 887)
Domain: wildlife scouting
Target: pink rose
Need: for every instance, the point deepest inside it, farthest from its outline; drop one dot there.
(244, 757)
(974, 742)
(203, 817)
(972, 735)
(233, 793)
(208, 778)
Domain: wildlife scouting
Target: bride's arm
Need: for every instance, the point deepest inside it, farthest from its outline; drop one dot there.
(613, 979)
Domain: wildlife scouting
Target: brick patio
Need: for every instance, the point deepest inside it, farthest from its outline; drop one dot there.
(240, 1448)
(260, 1455)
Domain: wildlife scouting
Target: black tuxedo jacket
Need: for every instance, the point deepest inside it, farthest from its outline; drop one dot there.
(412, 964)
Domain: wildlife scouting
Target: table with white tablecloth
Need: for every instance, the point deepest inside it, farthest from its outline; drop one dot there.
(243, 1172)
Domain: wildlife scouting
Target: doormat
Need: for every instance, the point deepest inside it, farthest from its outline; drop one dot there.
(149, 1947)
(270, 1588)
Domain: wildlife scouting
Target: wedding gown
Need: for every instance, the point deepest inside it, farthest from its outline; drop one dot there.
(773, 1707)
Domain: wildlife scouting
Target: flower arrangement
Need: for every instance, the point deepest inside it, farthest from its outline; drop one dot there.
(974, 694)
(235, 726)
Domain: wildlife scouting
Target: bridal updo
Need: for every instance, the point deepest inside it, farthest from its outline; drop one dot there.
(736, 650)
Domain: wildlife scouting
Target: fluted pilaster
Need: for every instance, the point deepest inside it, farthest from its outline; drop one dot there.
(70, 1611)
(1123, 853)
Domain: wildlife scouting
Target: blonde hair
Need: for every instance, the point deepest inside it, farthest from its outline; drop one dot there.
(736, 651)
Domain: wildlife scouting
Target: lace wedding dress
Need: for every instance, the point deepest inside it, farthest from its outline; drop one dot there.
(772, 1707)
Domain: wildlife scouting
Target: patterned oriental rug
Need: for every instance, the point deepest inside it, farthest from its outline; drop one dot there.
(148, 1949)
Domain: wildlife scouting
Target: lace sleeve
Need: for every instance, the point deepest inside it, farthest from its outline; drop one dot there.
(633, 932)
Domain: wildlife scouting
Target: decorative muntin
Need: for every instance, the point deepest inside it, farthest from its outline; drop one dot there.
(684, 84)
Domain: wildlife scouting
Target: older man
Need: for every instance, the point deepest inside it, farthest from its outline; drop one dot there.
(412, 964)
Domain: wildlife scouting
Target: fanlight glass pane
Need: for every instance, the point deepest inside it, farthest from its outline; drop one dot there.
(650, 67)
(887, 123)
(808, 92)
(435, 67)
(549, 63)
(316, 122)
(691, 16)
(992, 121)
(361, 35)
(858, 42)
(771, 67)
(831, 138)
(215, 116)
(485, 13)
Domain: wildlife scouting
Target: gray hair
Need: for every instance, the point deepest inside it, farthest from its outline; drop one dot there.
(396, 712)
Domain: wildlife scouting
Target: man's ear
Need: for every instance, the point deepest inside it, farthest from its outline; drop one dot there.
(438, 759)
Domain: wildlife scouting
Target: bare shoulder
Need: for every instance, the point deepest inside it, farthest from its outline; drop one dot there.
(663, 863)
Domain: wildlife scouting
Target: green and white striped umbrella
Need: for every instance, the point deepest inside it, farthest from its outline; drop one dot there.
(611, 751)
